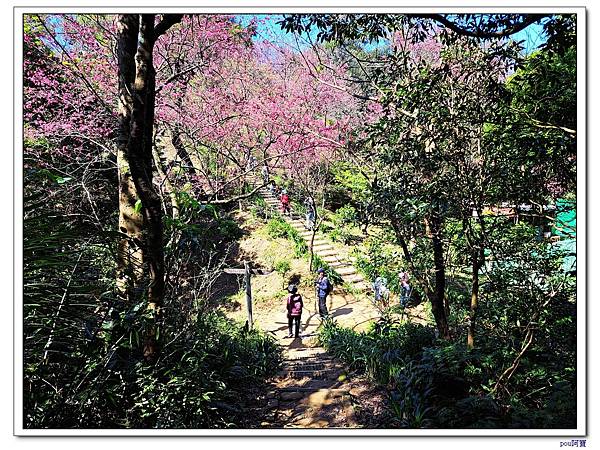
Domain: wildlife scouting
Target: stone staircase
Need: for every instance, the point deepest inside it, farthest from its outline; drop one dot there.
(321, 245)
(311, 392)
(313, 389)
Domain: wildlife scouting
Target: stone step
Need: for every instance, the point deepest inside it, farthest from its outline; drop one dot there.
(335, 264)
(334, 392)
(322, 247)
(354, 278)
(312, 374)
(304, 352)
(308, 358)
(348, 270)
(325, 253)
(362, 286)
(332, 259)
(315, 365)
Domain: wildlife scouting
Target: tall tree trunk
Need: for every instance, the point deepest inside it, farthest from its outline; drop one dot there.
(130, 255)
(137, 85)
(140, 151)
(423, 281)
(437, 299)
(476, 265)
(311, 248)
(476, 241)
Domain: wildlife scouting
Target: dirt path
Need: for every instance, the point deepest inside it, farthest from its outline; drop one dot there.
(313, 390)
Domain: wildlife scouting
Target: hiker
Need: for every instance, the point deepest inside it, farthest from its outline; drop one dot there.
(310, 213)
(285, 202)
(294, 310)
(265, 174)
(405, 289)
(324, 287)
(382, 293)
(273, 187)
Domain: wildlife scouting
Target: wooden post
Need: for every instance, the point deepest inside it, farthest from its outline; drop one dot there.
(248, 293)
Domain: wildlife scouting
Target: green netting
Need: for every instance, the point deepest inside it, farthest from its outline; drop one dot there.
(566, 218)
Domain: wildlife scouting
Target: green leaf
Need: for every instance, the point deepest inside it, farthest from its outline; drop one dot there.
(138, 206)
(62, 180)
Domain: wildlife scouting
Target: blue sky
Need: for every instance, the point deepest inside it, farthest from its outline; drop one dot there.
(532, 36)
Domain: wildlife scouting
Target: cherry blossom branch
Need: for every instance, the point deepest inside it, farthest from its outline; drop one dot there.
(78, 71)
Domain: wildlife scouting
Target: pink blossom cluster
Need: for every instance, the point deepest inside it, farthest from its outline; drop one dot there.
(217, 85)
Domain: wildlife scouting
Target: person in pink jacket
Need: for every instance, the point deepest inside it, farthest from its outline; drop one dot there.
(294, 310)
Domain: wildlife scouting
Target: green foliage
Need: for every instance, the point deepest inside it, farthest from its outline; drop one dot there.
(380, 259)
(346, 215)
(279, 228)
(380, 352)
(343, 220)
(202, 227)
(200, 383)
(83, 348)
(282, 267)
(260, 208)
(334, 277)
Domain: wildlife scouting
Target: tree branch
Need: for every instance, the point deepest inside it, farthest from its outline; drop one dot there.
(528, 19)
(167, 22)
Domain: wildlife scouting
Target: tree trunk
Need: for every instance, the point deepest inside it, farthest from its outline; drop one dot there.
(437, 299)
(476, 264)
(182, 153)
(312, 252)
(137, 84)
(476, 241)
(130, 255)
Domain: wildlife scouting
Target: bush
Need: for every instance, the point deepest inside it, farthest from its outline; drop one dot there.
(380, 260)
(334, 277)
(346, 215)
(342, 220)
(85, 368)
(260, 208)
(201, 382)
(279, 228)
(381, 351)
(282, 267)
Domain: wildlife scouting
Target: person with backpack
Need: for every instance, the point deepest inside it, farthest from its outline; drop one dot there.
(324, 288)
(310, 213)
(285, 202)
(405, 289)
(382, 293)
(294, 310)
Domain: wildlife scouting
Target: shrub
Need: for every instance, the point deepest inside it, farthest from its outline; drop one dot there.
(334, 277)
(380, 260)
(282, 267)
(260, 208)
(201, 381)
(381, 351)
(279, 228)
(346, 215)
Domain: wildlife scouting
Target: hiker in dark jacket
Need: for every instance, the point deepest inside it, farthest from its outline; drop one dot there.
(324, 287)
(294, 310)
